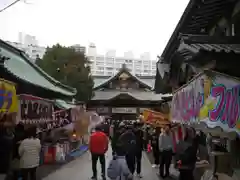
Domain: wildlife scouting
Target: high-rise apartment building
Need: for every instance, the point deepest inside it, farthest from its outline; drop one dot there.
(27, 39)
(109, 64)
(29, 45)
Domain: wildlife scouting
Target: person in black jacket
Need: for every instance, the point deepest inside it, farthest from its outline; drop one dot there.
(118, 130)
(188, 160)
(128, 140)
(139, 147)
(6, 143)
(18, 137)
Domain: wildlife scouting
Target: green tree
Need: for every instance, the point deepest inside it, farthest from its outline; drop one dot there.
(69, 67)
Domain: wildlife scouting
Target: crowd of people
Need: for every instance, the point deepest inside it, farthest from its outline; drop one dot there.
(127, 146)
(21, 153)
(129, 140)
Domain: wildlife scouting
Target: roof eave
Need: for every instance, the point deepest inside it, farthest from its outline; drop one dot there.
(116, 75)
(127, 94)
(37, 85)
(202, 39)
(173, 42)
(72, 91)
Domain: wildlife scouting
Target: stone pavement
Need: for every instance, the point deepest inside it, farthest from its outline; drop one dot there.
(80, 169)
(173, 172)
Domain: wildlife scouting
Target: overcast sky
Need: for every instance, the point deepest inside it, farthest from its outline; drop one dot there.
(136, 25)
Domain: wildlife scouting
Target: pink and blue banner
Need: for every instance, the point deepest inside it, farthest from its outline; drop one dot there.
(210, 97)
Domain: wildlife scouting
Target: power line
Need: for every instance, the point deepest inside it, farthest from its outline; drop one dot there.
(16, 1)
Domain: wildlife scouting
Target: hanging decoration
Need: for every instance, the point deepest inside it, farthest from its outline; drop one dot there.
(62, 117)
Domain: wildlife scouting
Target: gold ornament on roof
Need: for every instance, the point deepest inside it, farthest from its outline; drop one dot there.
(124, 76)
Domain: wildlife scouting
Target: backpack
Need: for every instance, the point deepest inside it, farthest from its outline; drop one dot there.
(128, 141)
(113, 170)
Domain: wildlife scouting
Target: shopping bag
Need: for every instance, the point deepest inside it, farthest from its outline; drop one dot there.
(48, 158)
(60, 155)
(149, 148)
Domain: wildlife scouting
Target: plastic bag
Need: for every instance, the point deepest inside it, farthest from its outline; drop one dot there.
(60, 155)
(149, 148)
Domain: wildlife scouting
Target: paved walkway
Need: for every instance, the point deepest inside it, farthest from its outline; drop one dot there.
(81, 169)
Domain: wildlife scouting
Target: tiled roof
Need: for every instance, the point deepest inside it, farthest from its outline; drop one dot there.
(149, 80)
(139, 95)
(216, 47)
(21, 67)
(124, 69)
(192, 44)
(197, 18)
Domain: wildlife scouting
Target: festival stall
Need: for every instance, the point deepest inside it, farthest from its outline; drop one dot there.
(210, 103)
(8, 103)
(39, 112)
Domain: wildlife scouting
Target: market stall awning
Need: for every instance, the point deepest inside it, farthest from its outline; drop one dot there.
(63, 104)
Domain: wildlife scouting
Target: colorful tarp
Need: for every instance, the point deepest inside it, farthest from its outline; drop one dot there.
(211, 97)
(155, 118)
(8, 97)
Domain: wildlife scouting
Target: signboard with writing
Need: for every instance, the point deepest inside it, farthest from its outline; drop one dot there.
(155, 118)
(8, 97)
(212, 98)
(124, 110)
(34, 109)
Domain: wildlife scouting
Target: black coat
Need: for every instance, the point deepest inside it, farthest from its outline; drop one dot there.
(139, 139)
(128, 141)
(6, 143)
(154, 141)
(19, 136)
(189, 155)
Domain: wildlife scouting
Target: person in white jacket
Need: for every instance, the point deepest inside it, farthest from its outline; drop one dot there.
(29, 151)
